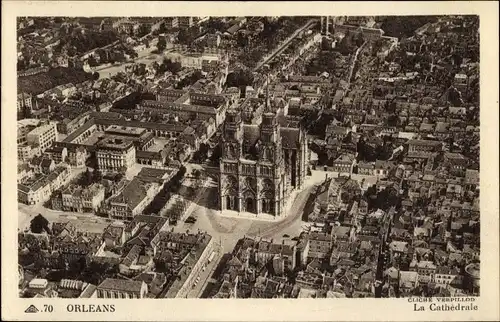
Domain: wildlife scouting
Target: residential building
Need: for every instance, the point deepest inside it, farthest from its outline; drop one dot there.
(282, 255)
(132, 200)
(42, 136)
(112, 288)
(320, 245)
(424, 146)
(81, 199)
(27, 152)
(40, 188)
(344, 164)
(57, 153)
(24, 101)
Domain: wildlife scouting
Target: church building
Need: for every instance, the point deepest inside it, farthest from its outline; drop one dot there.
(261, 164)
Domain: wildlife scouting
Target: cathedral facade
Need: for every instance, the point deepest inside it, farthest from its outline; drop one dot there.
(260, 164)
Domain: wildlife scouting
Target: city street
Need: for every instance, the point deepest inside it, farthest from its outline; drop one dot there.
(283, 45)
(230, 229)
(205, 275)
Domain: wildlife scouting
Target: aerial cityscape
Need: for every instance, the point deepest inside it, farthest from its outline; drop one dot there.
(248, 157)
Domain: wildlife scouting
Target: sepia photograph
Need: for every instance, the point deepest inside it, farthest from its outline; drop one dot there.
(246, 156)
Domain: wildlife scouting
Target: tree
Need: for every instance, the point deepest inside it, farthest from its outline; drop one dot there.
(163, 28)
(143, 30)
(215, 24)
(359, 39)
(455, 97)
(169, 65)
(39, 224)
(345, 46)
(187, 36)
(242, 40)
(162, 44)
(326, 44)
(239, 78)
(392, 120)
(399, 26)
(97, 176)
(92, 61)
(96, 272)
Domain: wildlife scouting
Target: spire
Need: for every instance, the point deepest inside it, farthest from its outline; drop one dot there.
(267, 95)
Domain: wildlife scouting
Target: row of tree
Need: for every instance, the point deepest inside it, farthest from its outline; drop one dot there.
(77, 43)
(169, 188)
(169, 65)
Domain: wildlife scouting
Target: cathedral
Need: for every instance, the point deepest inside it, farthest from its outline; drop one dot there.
(261, 164)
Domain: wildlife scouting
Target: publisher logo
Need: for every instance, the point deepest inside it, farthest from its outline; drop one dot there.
(31, 309)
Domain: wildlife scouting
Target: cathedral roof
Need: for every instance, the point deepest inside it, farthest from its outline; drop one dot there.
(251, 134)
(290, 138)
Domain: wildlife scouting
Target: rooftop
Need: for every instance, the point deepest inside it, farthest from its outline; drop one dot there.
(121, 285)
(115, 143)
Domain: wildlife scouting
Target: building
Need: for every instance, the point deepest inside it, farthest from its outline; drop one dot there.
(112, 288)
(189, 106)
(425, 269)
(42, 136)
(81, 199)
(142, 139)
(56, 153)
(27, 152)
(382, 168)
(461, 82)
(197, 61)
(192, 265)
(183, 22)
(24, 171)
(24, 101)
(320, 245)
(424, 146)
(472, 278)
(67, 126)
(77, 154)
(42, 165)
(39, 189)
(132, 199)
(260, 164)
(456, 163)
(344, 164)
(328, 197)
(338, 132)
(282, 255)
(24, 127)
(366, 168)
(115, 154)
(445, 276)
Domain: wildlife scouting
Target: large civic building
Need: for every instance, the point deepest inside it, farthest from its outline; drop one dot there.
(115, 154)
(260, 164)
